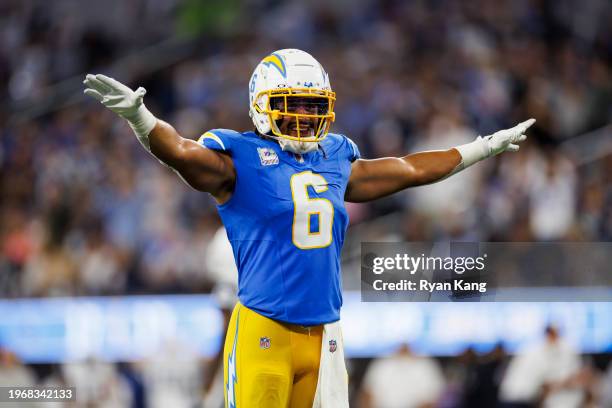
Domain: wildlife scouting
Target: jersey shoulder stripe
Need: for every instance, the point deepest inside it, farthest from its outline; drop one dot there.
(213, 139)
(220, 139)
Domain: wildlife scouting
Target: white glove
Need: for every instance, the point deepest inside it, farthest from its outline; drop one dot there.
(124, 102)
(506, 140)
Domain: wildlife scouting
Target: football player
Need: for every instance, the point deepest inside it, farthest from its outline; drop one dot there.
(280, 191)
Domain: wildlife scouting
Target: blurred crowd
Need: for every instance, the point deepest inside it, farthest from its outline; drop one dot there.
(548, 374)
(84, 210)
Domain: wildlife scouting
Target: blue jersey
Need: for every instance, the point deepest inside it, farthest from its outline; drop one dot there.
(286, 222)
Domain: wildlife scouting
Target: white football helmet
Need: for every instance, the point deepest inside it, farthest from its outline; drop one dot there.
(280, 83)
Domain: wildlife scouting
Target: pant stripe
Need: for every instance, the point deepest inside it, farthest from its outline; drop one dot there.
(232, 377)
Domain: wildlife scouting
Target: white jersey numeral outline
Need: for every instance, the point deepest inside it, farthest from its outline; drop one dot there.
(304, 207)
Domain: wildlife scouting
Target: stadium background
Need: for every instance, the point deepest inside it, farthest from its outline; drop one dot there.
(84, 211)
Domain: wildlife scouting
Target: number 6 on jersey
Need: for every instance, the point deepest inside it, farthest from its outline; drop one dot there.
(308, 211)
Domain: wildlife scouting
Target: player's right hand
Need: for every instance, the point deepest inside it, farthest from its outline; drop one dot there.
(114, 95)
(124, 102)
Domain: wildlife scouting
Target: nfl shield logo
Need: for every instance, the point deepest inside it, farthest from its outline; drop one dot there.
(332, 346)
(264, 343)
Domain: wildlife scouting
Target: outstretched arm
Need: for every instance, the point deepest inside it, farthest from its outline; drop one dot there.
(203, 169)
(372, 179)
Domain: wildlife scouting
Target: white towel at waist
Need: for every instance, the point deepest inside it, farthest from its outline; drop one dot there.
(332, 388)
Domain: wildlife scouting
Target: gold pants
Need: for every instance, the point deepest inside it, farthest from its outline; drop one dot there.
(270, 364)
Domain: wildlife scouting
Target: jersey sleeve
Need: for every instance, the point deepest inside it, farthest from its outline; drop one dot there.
(341, 147)
(222, 140)
(352, 150)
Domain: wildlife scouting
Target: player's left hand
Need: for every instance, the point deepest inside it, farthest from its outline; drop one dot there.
(508, 140)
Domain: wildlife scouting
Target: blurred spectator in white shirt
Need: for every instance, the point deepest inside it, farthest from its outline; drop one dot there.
(548, 373)
(173, 377)
(222, 270)
(553, 198)
(403, 380)
(97, 384)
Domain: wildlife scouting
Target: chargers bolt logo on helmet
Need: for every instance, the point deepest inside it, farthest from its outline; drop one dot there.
(281, 83)
(276, 61)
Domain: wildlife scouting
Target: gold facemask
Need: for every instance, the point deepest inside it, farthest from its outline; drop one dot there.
(317, 105)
